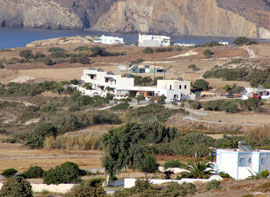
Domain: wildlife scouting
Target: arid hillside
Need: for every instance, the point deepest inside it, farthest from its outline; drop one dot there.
(190, 17)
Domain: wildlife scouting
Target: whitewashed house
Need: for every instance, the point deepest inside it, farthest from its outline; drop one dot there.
(111, 40)
(259, 92)
(153, 41)
(242, 162)
(122, 87)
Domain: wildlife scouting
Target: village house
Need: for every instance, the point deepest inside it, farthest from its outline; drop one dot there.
(243, 162)
(153, 41)
(102, 82)
(259, 92)
(109, 40)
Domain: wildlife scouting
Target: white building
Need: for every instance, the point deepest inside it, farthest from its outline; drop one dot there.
(242, 162)
(111, 40)
(258, 92)
(223, 43)
(122, 87)
(153, 41)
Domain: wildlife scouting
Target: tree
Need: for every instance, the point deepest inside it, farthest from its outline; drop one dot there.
(148, 50)
(27, 54)
(148, 164)
(33, 172)
(139, 98)
(200, 85)
(208, 54)
(198, 170)
(42, 131)
(9, 172)
(17, 186)
(67, 172)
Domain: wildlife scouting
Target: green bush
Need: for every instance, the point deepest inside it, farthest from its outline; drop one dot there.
(121, 106)
(9, 172)
(172, 164)
(148, 50)
(243, 41)
(49, 62)
(27, 54)
(33, 172)
(58, 54)
(264, 173)
(208, 54)
(39, 55)
(16, 187)
(213, 185)
(56, 49)
(148, 164)
(65, 173)
(224, 175)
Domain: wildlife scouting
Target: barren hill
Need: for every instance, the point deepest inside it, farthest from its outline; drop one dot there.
(191, 17)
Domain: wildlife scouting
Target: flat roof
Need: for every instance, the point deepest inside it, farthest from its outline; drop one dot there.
(240, 151)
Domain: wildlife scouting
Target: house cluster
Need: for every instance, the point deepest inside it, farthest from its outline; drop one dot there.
(242, 162)
(259, 92)
(146, 69)
(102, 83)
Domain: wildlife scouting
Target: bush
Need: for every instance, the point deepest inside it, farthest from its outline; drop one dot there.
(196, 105)
(33, 172)
(224, 175)
(9, 172)
(208, 54)
(2, 66)
(65, 173)
(49, 62)
(263, 187)
(27, 54)
(39, 55)
(142, 185)
(148, 164)
(172, 164)
(264, 173)
(16, 187)
(56, 49)
(212, 185)
(243, 41)
(148, 50)
(121, 106)
(58, 54)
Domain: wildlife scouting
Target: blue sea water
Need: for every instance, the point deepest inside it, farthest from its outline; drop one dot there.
(19, 37)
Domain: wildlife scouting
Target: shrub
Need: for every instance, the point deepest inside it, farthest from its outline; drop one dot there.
(17, 186)
(196, 105)
(56, 49)
(172, 164)
(39, 55)
(58, 54)
(148, 50)
(212, 185)
(193, 67)
(33, 172)
(82, 48)
(9, 172)
(27, 54)
(263, 187)
(175, 189)
(2, 66)
(49, 62)
(243, 41)
(121, 106)
(224, 175)
(148, 164)
(65, 173)
(208, 54)
(264, 173)
(142, 185)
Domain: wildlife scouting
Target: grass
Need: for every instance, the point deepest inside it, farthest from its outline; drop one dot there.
(264, 187)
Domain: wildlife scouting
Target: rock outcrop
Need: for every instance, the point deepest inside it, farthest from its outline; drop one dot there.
(190, 17)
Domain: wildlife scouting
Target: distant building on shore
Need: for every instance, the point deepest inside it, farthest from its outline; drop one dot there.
(153, 41)
(109, 40)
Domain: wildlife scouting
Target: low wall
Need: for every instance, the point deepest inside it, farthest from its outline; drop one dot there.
(61, 188)
(130, 182)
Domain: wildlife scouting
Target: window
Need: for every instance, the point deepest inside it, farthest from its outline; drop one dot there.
(185, 86)
(262, 160)
(249, 160)
(170, 87)
(242, 161)
(180, 87)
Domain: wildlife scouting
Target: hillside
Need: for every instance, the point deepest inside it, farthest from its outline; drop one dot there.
(189, 17)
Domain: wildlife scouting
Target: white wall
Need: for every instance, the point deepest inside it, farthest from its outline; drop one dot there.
(227, 162)
(130, 182)
(61, 188)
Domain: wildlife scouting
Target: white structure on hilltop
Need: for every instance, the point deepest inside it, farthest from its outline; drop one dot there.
(259, 92)
(111, 40)
(223, 43)
(123, 87)
(153, 41)
(242, 162)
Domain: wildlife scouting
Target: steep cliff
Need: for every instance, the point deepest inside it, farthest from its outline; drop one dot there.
(190, 17)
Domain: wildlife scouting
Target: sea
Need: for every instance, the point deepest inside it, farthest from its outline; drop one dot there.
(19, 37)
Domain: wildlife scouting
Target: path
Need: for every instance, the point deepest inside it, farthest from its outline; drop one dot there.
(17, 101)
(250, 52)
